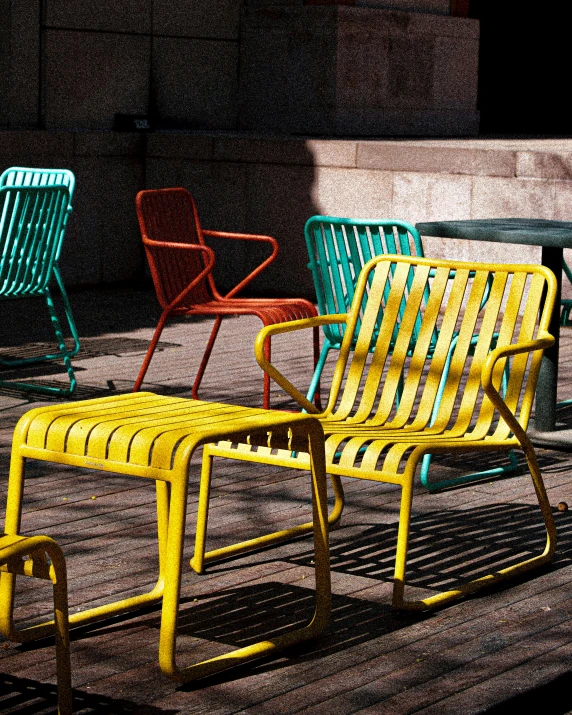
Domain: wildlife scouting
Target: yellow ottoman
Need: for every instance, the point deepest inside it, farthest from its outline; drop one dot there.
(154, 437)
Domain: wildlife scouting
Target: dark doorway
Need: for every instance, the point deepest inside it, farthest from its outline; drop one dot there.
(524, 64)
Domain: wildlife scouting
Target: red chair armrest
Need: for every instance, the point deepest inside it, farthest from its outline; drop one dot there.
(247, 237)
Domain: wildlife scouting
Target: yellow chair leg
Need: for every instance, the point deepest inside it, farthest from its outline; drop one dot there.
(168, 465)
(402, 543)
(8, 580)
(167, 642)
(15, 547)
(465, 589)
(61, 617)
(163, 491)
(201, 557)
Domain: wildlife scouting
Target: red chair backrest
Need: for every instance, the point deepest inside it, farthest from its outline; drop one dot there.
(170, 216)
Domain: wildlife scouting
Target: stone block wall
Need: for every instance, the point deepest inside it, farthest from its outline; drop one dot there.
(20, 67)
(68, 65)
(272, 185)
(102, 242)
(223, 64)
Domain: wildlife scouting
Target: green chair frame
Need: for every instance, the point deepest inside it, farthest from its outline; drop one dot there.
(338, 248)
(32, 229)
(566, 303)
(27, 176)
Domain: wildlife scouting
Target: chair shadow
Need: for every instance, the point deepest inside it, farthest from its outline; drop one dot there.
(476, 543)
(244, 615)
(447, 547)
(22, 696)
(552, 698)
(475, 463)
(92, 347)
(564, 415)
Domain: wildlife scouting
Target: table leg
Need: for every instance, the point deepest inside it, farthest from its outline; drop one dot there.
(545, 432)
(545, 420)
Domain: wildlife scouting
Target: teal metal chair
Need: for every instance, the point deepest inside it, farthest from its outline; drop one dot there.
(31, 176)
(565, 320)
(34, 210)
(338, 248)
(27, 176)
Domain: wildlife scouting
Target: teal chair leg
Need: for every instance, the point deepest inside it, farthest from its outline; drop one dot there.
(438, 484)
(57, 329)
(63, 354)
(566, 303)
(68, 312)
(565, 314)
(326, 347)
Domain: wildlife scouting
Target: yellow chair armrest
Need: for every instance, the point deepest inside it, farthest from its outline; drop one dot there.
(544, 341)
(288, 327)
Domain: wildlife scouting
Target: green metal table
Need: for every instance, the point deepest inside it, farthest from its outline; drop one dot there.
(553, 237)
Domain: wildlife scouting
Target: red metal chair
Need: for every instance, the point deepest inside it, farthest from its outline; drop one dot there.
(181, 267)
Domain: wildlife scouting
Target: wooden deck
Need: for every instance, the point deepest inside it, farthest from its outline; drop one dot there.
(491, 653)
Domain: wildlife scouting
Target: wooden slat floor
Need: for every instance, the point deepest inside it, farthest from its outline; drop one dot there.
(492, 653)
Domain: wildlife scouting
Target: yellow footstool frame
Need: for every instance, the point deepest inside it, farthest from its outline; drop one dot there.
(26, 555)
(151, 436)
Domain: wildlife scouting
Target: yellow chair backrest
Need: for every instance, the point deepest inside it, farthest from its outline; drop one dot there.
(451, 321)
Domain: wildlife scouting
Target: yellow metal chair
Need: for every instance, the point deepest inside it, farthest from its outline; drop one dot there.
(379, 421)
(27, 556)
(154, 437)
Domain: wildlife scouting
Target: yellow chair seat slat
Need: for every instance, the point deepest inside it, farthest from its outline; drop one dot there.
(424, 345)
(133, 439)
(51, 429)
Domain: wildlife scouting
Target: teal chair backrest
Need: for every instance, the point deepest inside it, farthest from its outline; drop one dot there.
(30, 176)
(32, 221)
(338, 248)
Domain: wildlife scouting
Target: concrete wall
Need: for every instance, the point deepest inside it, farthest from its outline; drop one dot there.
(20, 51)
(440, 7)
(285, 67)
(359, 71)
(102, 240)
(173, 61)
(78, 64)
(272, 185)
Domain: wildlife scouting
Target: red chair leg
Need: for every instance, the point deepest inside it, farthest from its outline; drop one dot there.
(150, 351)
(206, 356)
